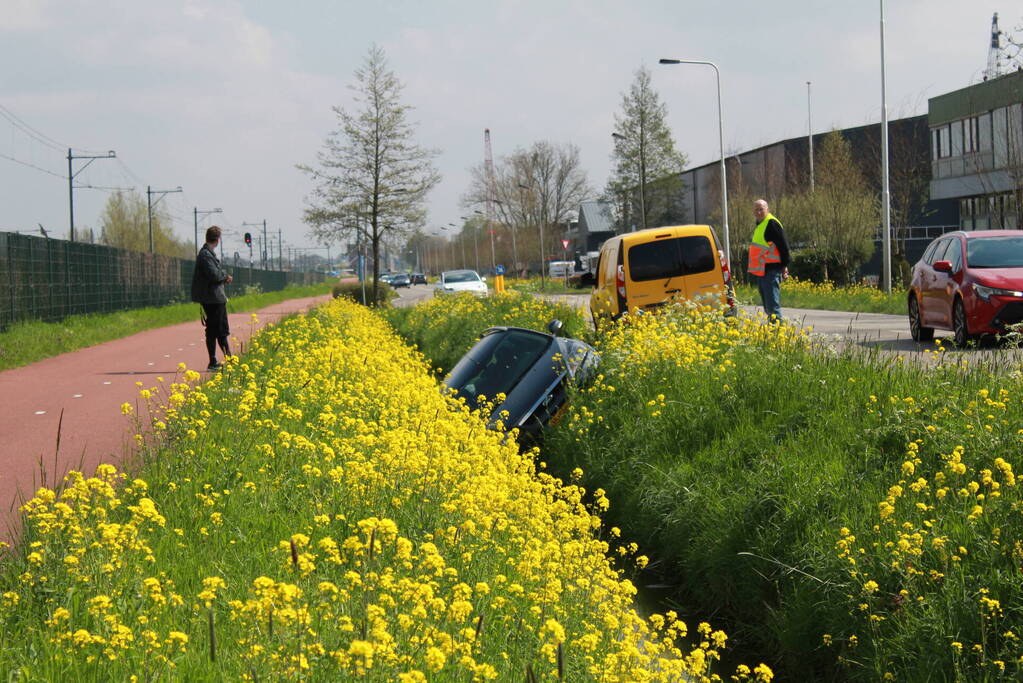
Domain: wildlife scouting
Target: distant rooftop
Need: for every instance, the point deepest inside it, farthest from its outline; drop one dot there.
(596, 215)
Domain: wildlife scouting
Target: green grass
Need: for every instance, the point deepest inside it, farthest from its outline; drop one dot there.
(533, 285)
(856, 298)
(752, 473)
(30, 341)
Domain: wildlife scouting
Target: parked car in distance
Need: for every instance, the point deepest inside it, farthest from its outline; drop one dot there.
(401, 280)
(647, 268)
(532, 369)
(386, 277)
(968, 282)
(418, 278)
(461, 281)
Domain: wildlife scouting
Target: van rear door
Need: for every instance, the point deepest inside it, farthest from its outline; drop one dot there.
(704, 282)
(653, 271)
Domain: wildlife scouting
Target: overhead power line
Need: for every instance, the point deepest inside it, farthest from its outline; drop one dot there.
(38, 168)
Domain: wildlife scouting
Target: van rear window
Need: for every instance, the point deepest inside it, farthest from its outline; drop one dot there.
(662, 259)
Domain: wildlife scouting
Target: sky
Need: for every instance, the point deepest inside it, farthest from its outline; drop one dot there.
(225, 97)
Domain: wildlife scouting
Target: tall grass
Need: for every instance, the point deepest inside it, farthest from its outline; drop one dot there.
(29, 341)
(320, 511)
(797, 293)
(843, 514)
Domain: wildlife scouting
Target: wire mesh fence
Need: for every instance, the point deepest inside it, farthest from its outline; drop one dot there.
(47, 279)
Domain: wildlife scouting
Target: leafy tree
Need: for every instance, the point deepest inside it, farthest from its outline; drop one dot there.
(125, 224)
(835, 224)
(372, 178)
(644, 149)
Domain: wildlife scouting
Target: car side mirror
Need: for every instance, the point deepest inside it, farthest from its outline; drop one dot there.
(942, 266)
(587, 280)
(484, 278)
(554, 327)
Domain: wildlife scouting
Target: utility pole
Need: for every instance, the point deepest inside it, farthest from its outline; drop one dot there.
(195, 214)
(149, 199)
(280, 249)
(264, 243)
(809, 132)
(71, 156)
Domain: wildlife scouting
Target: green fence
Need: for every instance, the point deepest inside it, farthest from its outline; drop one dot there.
(47, 279)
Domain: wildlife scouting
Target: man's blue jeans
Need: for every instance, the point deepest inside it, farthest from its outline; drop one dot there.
(770, 292)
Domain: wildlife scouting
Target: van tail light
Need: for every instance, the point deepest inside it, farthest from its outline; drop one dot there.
(726, 275)
(620, 280)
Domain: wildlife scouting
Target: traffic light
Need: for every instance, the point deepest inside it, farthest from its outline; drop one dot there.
(248, 238)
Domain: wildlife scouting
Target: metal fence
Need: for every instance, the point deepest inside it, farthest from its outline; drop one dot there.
(48, 279)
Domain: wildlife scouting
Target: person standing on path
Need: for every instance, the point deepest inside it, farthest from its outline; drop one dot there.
(208, 282)
(768, 258)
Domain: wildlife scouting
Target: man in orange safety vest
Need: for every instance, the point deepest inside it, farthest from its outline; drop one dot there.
(768, 258)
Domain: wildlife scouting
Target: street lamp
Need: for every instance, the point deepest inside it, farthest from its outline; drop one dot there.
(149, 199)
(461, 242)
(543, 275)
(642, 181)
(195, 213)
(475, 239)
(886, 261)
(721, 144)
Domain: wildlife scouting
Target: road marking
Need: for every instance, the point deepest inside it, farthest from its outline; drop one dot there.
(40, 412)
(146, 364)
(106, 382)
(77, 396)
(167, 355)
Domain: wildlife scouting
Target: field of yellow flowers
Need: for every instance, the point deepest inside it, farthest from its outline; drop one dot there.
(840, 515)
(320, 511)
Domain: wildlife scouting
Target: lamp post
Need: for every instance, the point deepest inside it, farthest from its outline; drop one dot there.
(475, 238)
(543, 274)
(809, 132)
(461, 242)
(886, 269)
(149, 200)
(195, 214)
(642, 180)
(721, 145)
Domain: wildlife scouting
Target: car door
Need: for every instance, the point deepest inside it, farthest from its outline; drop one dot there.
(654, 271)
(703, 280)
(942, 286)
(929, 313)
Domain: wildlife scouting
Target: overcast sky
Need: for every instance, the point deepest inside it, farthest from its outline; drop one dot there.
(224, 97)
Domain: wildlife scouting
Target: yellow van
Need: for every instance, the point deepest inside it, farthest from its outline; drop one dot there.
(648, 268)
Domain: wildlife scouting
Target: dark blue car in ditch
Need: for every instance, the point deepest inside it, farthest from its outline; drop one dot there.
(532, 369)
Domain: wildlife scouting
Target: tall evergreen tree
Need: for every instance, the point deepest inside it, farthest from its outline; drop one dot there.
(372, 177)
(645, 183)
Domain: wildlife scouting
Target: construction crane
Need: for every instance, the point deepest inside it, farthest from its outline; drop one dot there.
(488, 167)
(995, 61)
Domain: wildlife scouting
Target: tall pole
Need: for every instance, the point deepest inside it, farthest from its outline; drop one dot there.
(280, 249)
(70, 195)
(264, 245)
(149, 200)
(885, 196)
(195, 223)
(721, 145)
(809, 132)
(71, 156)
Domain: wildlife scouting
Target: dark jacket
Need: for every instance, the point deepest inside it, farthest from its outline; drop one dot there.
(209, 278)
(775, 233)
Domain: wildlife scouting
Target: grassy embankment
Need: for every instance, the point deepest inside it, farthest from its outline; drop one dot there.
(533, 285)
(843, 515)
(30, 341)
(826, 296)
(320, 510)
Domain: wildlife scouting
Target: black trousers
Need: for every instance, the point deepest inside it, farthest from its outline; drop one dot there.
(217, 329)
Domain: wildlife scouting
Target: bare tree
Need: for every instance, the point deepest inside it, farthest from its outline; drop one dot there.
(372, 178)
(536, 188)
(125, 224)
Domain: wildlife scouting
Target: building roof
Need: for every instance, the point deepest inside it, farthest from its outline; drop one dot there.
(975, 99)
(596, 216)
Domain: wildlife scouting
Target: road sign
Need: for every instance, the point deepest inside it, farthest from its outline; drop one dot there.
(564, 244)
(499, 270)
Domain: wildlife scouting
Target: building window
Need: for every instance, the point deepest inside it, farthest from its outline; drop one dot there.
(984, 132)
(971, 135)
(957, 139)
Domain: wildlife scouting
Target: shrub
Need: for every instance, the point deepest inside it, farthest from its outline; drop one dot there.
(354, 291)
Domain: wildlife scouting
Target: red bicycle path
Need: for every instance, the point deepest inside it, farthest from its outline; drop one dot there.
(88, 386)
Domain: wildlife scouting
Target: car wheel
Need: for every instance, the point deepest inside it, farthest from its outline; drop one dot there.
(916, 328)
(960, 331)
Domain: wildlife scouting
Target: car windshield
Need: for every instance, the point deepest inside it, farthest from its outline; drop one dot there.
(461, 276)
(497, 363)
(994, 252)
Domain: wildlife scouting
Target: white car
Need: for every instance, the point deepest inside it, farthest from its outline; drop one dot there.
(461, 281)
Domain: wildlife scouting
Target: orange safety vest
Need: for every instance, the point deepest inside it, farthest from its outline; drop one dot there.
(762, 252)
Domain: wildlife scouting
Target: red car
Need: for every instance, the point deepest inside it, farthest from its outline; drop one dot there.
(970, 283)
